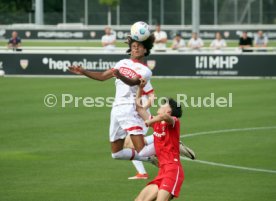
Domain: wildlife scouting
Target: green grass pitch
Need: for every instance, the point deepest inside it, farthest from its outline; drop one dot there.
(63, 154)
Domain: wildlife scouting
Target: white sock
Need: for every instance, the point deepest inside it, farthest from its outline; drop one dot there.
(149, 139)
(139, 166)
(147, 151)
(129, 154)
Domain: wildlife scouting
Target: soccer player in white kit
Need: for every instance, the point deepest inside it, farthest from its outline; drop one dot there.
(124, 118)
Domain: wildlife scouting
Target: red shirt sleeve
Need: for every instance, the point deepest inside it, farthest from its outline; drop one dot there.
(176, 122)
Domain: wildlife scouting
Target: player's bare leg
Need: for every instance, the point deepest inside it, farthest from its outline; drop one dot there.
(128, 143)
(117, 145)
(149, 193)
(163, 195)
(138, 142)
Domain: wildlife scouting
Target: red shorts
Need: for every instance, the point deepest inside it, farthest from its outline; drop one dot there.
(170, 178)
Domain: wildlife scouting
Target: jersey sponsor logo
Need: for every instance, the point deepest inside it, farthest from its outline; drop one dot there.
(159, 134)
(127, 72)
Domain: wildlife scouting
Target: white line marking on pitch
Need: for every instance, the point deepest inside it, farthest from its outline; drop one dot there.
(227, 131)
(225, 165)
(231, 166)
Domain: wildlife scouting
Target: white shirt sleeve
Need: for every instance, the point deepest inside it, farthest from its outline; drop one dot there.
(108, 38)
(146, 74)
(182, 43)
(164, 35)
(201, 42)
(265, 40)
(213, 43)
(190, 42)
(118, 64)
(148, 87)
(223, 43)
(104, 39)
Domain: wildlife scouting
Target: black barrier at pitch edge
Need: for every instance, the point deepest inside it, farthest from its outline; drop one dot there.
(162, 64)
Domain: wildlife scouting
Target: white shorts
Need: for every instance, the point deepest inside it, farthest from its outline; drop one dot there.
(124, 120)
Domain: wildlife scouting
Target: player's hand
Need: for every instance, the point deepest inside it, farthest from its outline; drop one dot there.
(116, 73)
(143, 82)
(76, 69)
(147, 123)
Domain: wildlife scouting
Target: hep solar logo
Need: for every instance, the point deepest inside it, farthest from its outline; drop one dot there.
(56, 64)
(62, 65)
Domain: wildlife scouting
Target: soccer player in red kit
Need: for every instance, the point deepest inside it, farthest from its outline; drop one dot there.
(166, 125)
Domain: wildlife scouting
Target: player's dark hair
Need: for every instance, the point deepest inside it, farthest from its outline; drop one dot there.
(176, 108)
(148, 44)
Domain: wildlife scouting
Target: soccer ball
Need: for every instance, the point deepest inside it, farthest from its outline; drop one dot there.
(140, 31)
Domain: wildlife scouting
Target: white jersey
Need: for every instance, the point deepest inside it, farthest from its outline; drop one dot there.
(218, 44)
(126, 94)
(195, 43)
(109, 39)
(260, 41)
(178, 44)
(159, 36)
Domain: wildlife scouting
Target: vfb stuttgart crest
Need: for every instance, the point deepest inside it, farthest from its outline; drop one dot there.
(151, 64)
(24, 63)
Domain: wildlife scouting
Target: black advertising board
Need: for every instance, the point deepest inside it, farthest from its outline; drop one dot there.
(162, 64)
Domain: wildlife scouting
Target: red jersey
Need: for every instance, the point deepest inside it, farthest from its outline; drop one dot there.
(166, 142)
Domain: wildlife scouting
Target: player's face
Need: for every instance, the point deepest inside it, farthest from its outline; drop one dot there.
(14, 34)
(137, 50)
(107, 31)
(158, 28)
(164, 109)
(218, 36)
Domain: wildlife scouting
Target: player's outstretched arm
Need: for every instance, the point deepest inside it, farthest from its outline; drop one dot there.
(129, 81)
(142, 111)
(163, 117)
(101, 76)
(150, 102)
